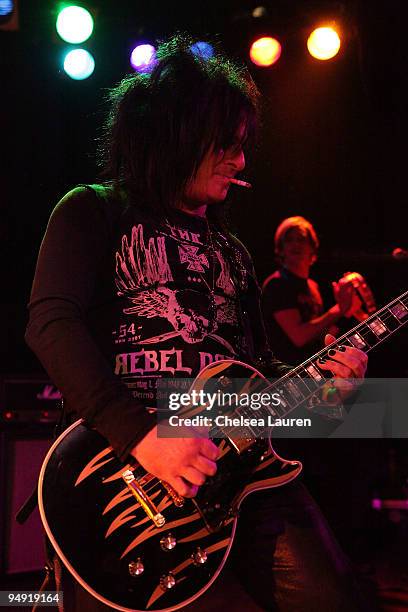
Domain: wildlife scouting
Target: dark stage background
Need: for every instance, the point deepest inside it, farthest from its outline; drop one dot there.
(333, 148)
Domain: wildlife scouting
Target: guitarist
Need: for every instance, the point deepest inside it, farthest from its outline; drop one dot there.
(140, 278)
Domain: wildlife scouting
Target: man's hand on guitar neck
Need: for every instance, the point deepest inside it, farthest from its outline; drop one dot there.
(347, 365)
(184, 463)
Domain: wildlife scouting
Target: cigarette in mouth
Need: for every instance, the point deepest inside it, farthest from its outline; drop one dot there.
(241, 183)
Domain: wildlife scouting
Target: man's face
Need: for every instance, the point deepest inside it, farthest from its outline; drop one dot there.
(297, 247)
(211, 182)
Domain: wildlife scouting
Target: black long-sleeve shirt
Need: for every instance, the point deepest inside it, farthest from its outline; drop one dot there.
(121, 297)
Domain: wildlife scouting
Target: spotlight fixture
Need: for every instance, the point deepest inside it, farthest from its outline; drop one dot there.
(265, 51)
(8, 15)
(79, 64)
(323, 43)
(203, 50)
(74, 24)
(143, 58)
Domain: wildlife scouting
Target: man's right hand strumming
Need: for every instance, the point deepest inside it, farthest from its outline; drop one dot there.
(184, 463)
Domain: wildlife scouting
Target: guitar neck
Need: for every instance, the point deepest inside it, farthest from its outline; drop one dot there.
(306, 379)
(368, 334)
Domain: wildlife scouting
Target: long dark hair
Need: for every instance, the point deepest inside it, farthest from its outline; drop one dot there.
(162, 124)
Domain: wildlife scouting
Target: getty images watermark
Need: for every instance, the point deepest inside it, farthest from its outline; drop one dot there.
(219, 413)
(243, 404)
(285, 408)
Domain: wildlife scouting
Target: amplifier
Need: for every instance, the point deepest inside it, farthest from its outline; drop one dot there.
(22, 451)
(25, 399)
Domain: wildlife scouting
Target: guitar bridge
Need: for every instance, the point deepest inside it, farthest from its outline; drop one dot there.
(144, 500)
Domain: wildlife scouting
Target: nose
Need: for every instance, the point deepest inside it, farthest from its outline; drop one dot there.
(235, 158)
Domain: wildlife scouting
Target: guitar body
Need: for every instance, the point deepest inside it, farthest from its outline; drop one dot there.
(108, 541)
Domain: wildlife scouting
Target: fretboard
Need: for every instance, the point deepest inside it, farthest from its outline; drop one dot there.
(301, 383)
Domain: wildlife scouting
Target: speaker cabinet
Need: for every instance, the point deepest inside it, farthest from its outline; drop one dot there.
(22, 451)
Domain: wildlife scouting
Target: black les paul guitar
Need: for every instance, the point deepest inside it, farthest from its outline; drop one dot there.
(128, 538)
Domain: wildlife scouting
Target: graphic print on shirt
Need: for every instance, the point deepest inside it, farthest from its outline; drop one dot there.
(196, 263)
(142, 275)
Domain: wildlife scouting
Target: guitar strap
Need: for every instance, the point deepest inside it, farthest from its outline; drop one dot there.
(239, 276)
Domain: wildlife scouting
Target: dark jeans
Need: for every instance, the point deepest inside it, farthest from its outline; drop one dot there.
(284, 559)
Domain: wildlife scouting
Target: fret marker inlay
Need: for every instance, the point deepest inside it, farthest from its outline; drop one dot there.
(399, 310)
(314, 373)
(358, 342)
(378, 327)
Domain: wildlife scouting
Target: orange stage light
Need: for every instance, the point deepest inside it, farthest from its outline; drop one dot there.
(323, 43)
(265, 51)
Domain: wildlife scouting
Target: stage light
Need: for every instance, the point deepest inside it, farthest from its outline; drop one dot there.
(79, 64)
(9, 15)
(143, 58)
(6, 8)
(265, 51)
(323, 43)
(259, 12)
(203, 50)
(74, 24)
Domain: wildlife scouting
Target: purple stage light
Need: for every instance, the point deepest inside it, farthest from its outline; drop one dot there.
(143, 58)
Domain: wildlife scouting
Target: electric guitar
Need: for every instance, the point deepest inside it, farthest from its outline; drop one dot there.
(128, 538)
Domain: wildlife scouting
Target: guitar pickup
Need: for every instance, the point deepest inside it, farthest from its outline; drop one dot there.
(144, 500)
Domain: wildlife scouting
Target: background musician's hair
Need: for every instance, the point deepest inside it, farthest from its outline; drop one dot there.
(295, 222)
